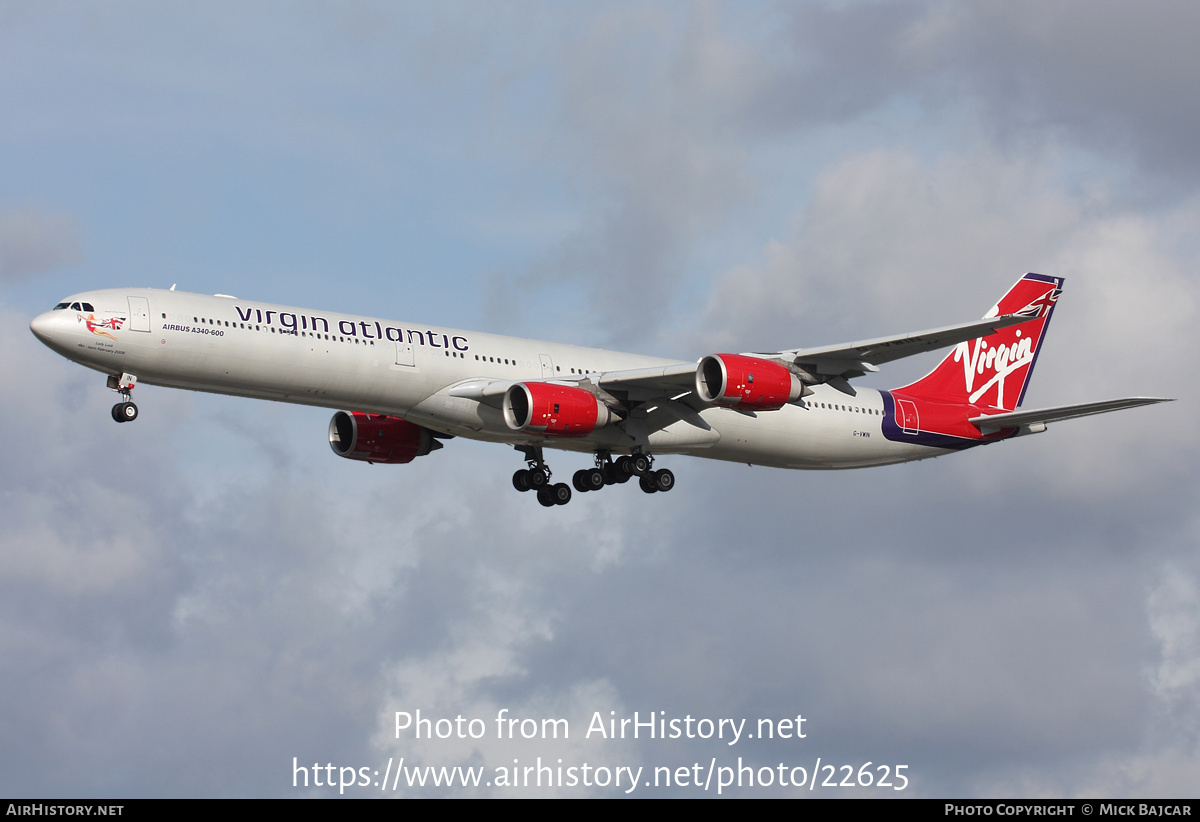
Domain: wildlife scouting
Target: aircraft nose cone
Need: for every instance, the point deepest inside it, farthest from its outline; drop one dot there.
(41, 326)
(46, 328)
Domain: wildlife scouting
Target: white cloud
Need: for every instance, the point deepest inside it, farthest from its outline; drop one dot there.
(1174, 612)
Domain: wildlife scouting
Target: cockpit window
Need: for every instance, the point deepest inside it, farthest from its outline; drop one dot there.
(61, 306)
(76, 307)
(88, 307)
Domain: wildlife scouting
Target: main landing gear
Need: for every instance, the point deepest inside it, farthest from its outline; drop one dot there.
(537, 478)
(607, 472)
(649, 480)
(124, 411)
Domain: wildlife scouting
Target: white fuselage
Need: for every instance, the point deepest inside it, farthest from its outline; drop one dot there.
(251, 349)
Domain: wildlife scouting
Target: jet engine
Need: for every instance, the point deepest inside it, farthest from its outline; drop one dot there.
(746, 383)
(553, 410)
(378, 438)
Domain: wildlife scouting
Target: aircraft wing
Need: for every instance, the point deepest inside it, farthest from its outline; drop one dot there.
(855, 359)
(658, 380)
(638, 383)
(681, 375)
(995, 422)
(825, 364)
(833, 364)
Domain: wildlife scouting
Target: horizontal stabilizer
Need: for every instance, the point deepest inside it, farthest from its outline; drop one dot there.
(1015, 419)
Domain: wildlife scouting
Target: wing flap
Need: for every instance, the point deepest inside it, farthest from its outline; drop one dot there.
(679, 377)
(645, 383)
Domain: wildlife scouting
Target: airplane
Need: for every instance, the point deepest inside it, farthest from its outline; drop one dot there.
(411, 387)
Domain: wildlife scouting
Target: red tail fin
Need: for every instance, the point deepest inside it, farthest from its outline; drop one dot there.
(993, 371)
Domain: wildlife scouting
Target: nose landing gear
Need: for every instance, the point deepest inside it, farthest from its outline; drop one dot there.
(124, 411)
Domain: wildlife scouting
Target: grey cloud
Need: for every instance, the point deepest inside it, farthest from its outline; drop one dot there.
(831, 64)
(1114, 76)
(647, 133)
(888, 241)
(658, 118)
(1108, 76)
(34, 241)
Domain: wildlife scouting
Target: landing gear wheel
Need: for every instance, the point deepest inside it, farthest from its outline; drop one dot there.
(578, 482)
(560, 493)
(663, 480)
(124, 412)
(593, 479)
(537, 476)
(647, 484)
(639, 464)
(617, 472)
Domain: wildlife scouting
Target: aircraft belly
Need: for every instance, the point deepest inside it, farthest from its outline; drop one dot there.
(806, 437)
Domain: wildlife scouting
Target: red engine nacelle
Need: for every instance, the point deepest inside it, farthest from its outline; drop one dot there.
(749, 383)
(376, 438)
(553, 410)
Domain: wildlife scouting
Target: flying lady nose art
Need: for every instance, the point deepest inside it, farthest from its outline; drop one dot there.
(97, 326)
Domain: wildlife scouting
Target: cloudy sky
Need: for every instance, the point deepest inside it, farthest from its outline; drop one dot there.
(189, 602)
